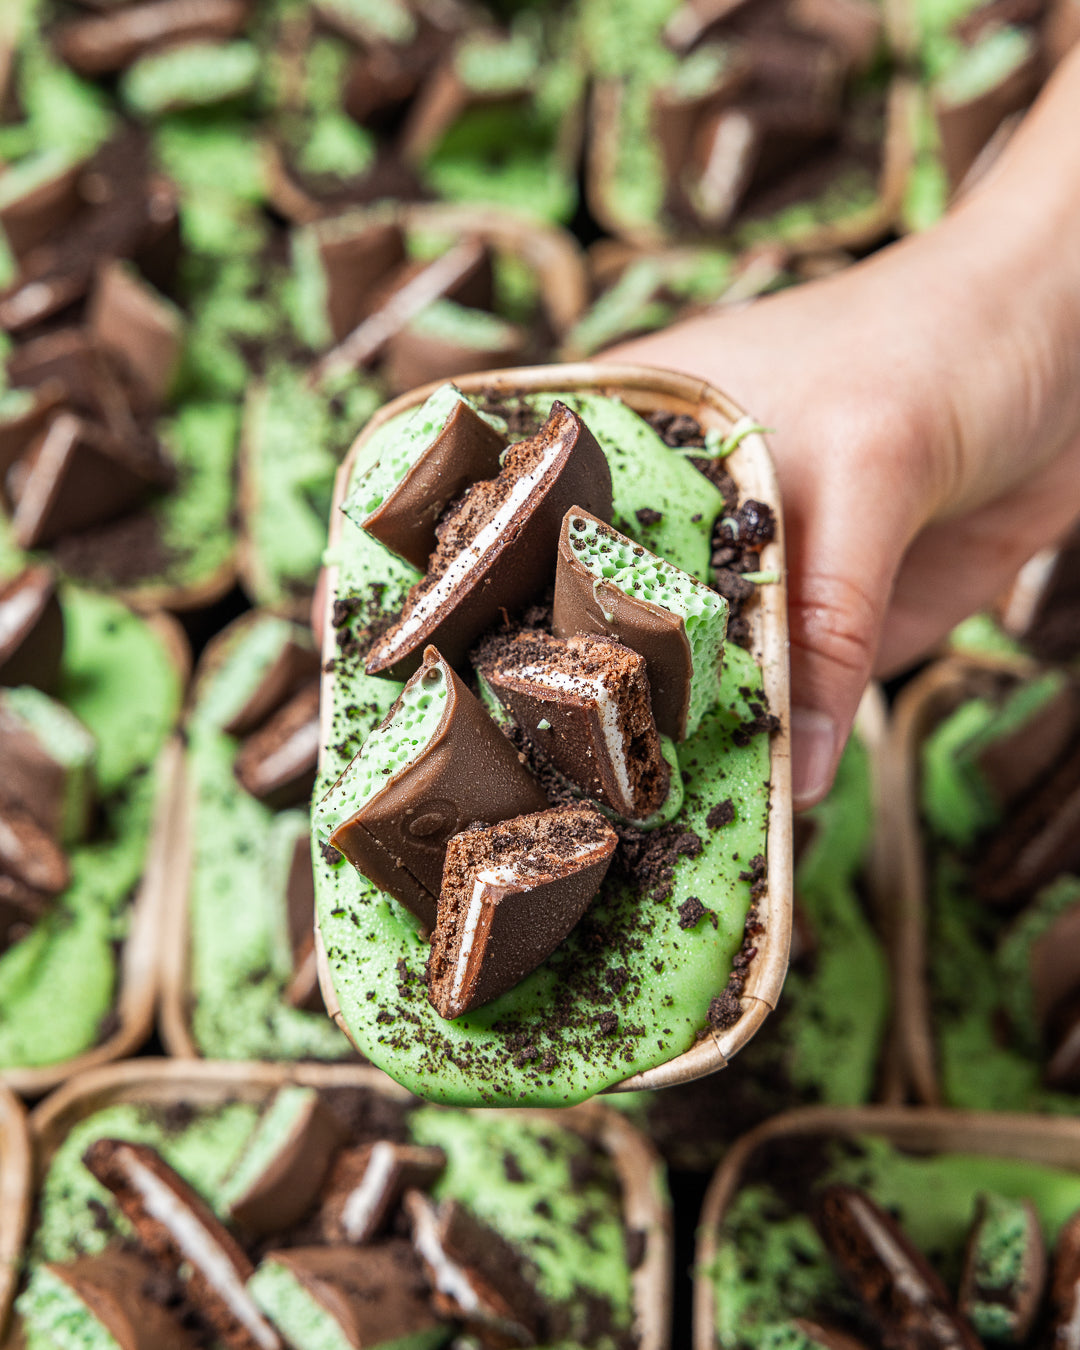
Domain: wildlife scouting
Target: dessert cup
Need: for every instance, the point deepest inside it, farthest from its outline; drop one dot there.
(243, 966)
(922, 705)
(554, 259)
(16, 1190)
(164, 1082)
(1025, 1138)
(136, 993)
(645, 391)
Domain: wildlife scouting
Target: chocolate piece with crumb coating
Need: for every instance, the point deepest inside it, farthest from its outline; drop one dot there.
(434, 765)
(31, 630)
(510, 894)
(494, 547)
(179, 1230)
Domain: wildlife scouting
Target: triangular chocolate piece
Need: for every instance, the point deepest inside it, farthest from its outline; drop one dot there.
(366, 1184)
(277, 763)
(106, 43)
(446, 340)
(293, 665)
(492, 545)
(46, 763)
(23, 416)
(584, 703)
(510, 894)
(344, 263)
(138, 327)
(31, 630)
(36, 198)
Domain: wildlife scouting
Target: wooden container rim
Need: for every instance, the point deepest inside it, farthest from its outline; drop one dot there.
(136, 996)
(1052, 1140)
(16, 1191)
(856, 231)
(650, 389)
(921, 704)
(637, 1165)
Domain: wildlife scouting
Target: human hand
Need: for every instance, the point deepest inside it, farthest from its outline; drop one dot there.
(926, 407)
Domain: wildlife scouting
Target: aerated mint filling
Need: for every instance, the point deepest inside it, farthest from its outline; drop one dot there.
(462, 325)
(194, 75)
(386, 473)
(979, 68)
(301, 1319)
(415, 720)
(55, 1318)
(642, 575)
(274, 1127)
(68, 742)
(251, 655)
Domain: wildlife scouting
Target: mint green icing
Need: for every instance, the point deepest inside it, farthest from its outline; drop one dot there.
(389, 749)
(616, 561)
(203, 1150)
(240, 962)
(491, 67)
(194, 75)
(277, 1122)
(578, 1247)
(119, 680)
(377, 479)
(54, 1317)
(771, 1265)
(668, 981)
(66, 741)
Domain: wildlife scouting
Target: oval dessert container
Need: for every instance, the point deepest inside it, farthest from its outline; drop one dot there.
(16, 1190)
(648, 391)
(858, 230)
(175, 1018)
(552, 254)
(161, 1082)
(921, 705)
(138, 969)
(1034, 1139)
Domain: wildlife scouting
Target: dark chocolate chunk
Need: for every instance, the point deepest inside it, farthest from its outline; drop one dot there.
(584, 702)
(494, 545)
(901, 1292)
(366, 1184)
(116, 1287)
(510, 894)
(277, 762)
(853, 27)
(467, 771)
(465, 451)
(475, 1274)
(31, 630)
(1065, 1288)
(103, 44)
(22, 425)
(180, 1232)
(303, 990)
(1007, 1309)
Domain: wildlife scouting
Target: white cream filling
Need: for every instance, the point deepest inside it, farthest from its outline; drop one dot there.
(16, 612)
(448, 1276)
(199, 1247)
(493, 876)
(472, 555)
(731, 146)
(302, 744)
(361, 1201)
(606, 706)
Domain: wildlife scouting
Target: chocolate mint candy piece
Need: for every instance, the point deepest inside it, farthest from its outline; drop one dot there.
(69, 359)
(901, 1292)
(1065, 1288)
(277, 762)
(446, 339)
(1004, 1274)
(30, 856)
(341, 267)
(1052, 622)
(101, 1300)
(1015, 758)
(75, 475)
(104, 44)
(138, 327)
(609, 585)
(23, 416)
(31, 630)
(828, 1338)
(494, 544)
(1063, 1067)
(446, 445)
(1053, 961)
(474, 1273)
(289, 666)
(277, 1177)
(178, 1230)
(46, 763)
(997, 76)
(188, 75)
(37, 196)
(289, 878)
(584, 703)
(367, 1183)
(347, 1296)
(510, 894)
(436, 763)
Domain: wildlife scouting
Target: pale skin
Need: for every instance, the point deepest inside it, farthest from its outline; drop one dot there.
(926, 414)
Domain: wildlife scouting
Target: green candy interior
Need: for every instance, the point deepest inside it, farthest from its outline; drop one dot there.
(65, 740)
(619, 562)
(54, 1317)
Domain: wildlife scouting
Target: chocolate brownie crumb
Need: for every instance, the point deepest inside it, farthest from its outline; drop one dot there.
(691, 912)
(723, 813)
(608, 1023)
(724, 1010)
(329, 852)
(677, 429)
(512, 1169)
(646, 516)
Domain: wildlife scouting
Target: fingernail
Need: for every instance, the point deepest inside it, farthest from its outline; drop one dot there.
(813, 745)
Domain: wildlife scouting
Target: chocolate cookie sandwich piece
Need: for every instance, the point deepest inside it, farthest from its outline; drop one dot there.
(434, 764)
(1042, 610)
(510, 894)
(1004, 1270)
(367, 1184)
(31, 630)
(608, 584)
(584, 703)
(485, 561)
(446, 446)
(349, 1299)
(240, 982)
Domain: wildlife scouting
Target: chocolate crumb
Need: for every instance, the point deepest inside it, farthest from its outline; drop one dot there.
(646, 516)
(691, 912)
(608, 1023)
(512, 1169)
(723, 813)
